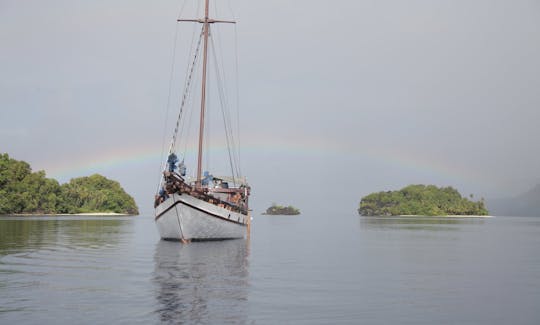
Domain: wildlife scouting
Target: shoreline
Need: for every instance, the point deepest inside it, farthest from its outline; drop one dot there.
(473, 216)
(421, 216)
(105, 214)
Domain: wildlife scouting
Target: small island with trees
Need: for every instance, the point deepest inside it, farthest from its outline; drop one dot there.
(25, 192)
(421, 200)
(281, 210)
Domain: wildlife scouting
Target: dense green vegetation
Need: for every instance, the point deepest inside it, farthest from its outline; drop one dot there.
(24, 191)
(420, 200)
(281, 210)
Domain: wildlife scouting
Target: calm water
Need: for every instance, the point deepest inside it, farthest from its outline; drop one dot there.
(305, 269)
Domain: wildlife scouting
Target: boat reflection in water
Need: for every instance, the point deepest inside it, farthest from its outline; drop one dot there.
(202, 282)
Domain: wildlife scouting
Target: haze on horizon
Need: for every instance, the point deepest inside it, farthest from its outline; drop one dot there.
(338, 99)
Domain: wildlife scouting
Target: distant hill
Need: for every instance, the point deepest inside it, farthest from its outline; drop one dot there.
(425, 200)
(526, 204)
(25, 192)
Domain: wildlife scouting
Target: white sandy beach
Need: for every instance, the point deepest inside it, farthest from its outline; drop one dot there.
(449, 216)
(96, 214)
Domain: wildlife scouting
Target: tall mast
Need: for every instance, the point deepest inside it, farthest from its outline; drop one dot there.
(206, 33)
(203, 93)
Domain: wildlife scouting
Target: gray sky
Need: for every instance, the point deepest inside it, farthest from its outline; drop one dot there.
(338, 98)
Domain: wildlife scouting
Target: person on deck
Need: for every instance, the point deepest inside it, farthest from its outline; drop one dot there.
(172, 160)
(208, 179)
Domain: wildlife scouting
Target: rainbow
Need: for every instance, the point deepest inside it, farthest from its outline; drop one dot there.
(308, 148)
(65, 168)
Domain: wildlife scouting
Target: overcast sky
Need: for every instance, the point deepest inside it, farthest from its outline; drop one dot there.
(338, 98)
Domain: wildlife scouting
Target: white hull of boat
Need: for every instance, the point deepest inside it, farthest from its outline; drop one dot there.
(183, 217)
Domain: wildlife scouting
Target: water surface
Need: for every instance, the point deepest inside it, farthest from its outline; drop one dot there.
(306, 269)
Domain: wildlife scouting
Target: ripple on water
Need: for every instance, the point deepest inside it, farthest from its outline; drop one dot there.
(304, 270)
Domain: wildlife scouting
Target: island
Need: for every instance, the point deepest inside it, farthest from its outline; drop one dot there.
(281, 210)
(25, 192)
(421, 200)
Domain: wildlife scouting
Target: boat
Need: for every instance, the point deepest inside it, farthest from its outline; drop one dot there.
(205, 207)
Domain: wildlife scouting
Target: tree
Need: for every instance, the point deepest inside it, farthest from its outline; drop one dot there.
(420, 200)
(97, 193)
(24, 191)
(282, 210)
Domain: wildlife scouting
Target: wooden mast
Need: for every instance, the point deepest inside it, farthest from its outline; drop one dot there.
(206, 33)
(203, 94)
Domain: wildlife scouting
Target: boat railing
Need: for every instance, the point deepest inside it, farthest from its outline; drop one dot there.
(174, 183)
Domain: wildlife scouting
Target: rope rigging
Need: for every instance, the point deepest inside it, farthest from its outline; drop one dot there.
(187, 87)
(226, 117)
(182, 125)
(232, 144)
(171, 77)
(186, 92)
